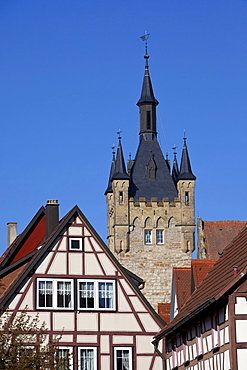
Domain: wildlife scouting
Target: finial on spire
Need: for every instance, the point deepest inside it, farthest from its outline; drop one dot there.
(184, 135)
(145, 38)
(119, 133)
(174, 149)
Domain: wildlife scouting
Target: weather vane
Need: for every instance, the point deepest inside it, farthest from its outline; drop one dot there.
(145, 38)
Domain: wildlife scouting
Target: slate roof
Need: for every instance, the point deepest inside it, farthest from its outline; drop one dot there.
(175, 170)
(217, 235)
(219, 281)
(119, 167)
(141, 186)
(147, 94)
(185, 172)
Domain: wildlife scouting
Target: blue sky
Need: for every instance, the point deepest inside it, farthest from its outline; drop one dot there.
(71, 73)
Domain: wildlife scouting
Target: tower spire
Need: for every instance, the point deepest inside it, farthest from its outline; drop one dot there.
(147, 102)
(175, 169)
(185, 172)
(120, 169)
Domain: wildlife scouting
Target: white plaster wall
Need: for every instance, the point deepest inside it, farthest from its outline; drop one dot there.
(92, 266)
(43, 266)
(144, 344)
(122, 339)
(96, 246)
(75, 231)
(148, 322)
(126, 287)
(242, 358)
(241, 331)
(123, 305)
(241, 306)
(118, 322)
(105, 362)
(104, 344)
(87, 246)
(87, 339)
(143, 363)
(108, 266)
(63, 321)
(87, 321)
(75, 263)
(137, 304)
(58, 266)
(63, 245)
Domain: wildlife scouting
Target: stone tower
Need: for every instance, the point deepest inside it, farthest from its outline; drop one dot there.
(151, 220)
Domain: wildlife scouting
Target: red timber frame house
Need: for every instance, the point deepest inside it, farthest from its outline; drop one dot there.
(210, 330)
(63, 271)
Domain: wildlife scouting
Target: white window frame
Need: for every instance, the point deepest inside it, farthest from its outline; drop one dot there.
(158, 237)
(148, 236)
(130, 357)
(70, 349)
(96, 294)
(80, 244)
(54, 293)
(94, 356)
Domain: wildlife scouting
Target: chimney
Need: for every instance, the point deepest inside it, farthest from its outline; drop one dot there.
(52, 215)
(12, 232)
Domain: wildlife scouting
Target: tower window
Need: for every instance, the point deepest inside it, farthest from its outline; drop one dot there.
(148, 120)
(159, 236)
(186, 198)
(148, 236)
(120, 197)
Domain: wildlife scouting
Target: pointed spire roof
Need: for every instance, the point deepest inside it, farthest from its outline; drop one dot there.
(185, 167)
(112, 171)
(147, 94)
(175, 170)
(120, 169)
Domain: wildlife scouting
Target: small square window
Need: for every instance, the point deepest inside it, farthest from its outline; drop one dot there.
(160, 236)
(148, 236)
(76, 244)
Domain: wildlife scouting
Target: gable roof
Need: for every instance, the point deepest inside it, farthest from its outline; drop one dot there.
(219, 280)
(217, 235)
(12, 277)
(27, 241)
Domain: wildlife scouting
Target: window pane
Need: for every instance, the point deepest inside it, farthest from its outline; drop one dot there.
(64, 294)
(87, 359)
(63, 359)
(148, 236)
(75, 244)
(105, 295)
(45, 293)
(159, 237)
(123, 362)
(86, 294)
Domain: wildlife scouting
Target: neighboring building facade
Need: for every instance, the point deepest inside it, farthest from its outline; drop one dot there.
(214, 236)
(151, 212)
(210, 330)
(64, 272)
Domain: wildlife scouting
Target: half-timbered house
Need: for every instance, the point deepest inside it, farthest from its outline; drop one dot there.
(65, 272)
(210, 330)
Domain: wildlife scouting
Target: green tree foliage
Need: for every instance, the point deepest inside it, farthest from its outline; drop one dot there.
(26, 345)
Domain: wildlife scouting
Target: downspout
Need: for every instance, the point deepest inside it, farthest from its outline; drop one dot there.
(160, 354)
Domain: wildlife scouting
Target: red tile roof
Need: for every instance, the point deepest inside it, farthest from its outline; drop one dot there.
(216, 284)
(199, 269)
(218, 234)
(182, 282)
